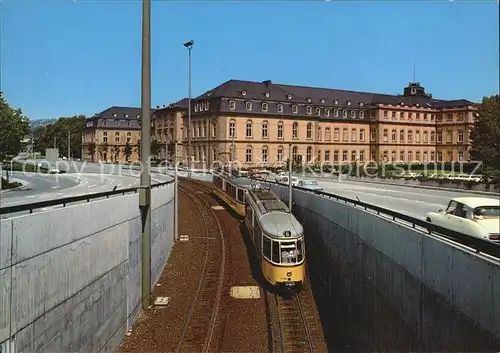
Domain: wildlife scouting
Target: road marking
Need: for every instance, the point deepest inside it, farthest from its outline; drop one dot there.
(92, 186)
(56, 187)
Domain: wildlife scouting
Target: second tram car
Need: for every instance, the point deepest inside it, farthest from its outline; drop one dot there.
(231, 189)
(278, 237)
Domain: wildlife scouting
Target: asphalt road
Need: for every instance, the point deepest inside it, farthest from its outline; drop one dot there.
(415, 202)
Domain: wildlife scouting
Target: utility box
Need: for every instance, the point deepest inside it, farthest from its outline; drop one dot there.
(144, 196)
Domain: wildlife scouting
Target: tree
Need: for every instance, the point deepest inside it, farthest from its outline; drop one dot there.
(91, 147)
(155, 148)
(103, 150)
(485, 136)
(138, 148)
(13, 127)
(44, 135)
(116, 152)
(127, 151)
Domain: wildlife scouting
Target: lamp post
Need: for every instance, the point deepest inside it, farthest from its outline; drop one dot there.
(189, 46)
(290, 177)
(176, 195)
(145, 188)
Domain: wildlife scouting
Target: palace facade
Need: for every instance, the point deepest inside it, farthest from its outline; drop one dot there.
(255, 123)
(106, 135)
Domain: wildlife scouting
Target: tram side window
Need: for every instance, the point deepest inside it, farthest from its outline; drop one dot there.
(266, 248)
(276, 252)
(231, 190)
(241, 195)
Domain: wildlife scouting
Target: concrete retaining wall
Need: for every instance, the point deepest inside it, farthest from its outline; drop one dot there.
(383, 286)
(70, 277)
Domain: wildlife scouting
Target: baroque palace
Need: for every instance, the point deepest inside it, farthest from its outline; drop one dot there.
(254, 123)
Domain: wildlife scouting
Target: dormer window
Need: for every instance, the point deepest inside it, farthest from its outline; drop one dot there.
(361, 114)
(117, 123)
(289, 96)
(115, 115)
(418, 105)
(401, 103)
(138, 116)
(309, 100)
(243, 93)
(129, 123)
(280, 108)
(105, 122)
(295, 109)
(309, 110)
(196, 107)
(348, 102)
(336, 101)
(327, 112)
(264, 107)
(318, 111)
(126, 115)
(413, 90)
(232, 105)
(268, 94)
(361, 104)
(207, 105)
(322, 100)
(248, 106)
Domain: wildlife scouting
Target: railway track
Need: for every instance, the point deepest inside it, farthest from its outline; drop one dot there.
(200, 323)
(294, 332)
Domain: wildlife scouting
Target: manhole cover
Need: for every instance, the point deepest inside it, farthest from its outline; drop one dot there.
(245, 292)
(162, 301)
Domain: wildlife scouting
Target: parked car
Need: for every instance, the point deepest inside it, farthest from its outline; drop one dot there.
(475, 216)
(310, 184)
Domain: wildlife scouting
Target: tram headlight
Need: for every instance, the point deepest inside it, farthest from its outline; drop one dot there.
(289, 274)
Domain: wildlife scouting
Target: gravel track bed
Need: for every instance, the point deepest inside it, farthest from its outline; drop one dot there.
(159, 329)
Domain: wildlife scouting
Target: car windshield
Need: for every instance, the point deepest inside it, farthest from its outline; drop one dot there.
(486, 212)
(310, 182)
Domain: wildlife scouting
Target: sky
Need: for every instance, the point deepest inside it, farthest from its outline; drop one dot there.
(67, 57)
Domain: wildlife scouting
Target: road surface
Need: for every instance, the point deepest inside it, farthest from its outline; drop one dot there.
(415, 202)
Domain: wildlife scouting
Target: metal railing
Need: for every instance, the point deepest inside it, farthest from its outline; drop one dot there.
(72, 199)
(478, 244)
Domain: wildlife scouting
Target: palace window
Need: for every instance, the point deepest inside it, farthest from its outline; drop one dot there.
(249, 129)
(336, 134)
(393, 136)
(280, 108)
(309, 153)
(264, 154)
(264, 107)
(309, 131)
(354, 135)
(327, 134)
(232, 128)
(264, 130)
(345, 134)
(280, 154)
(232, 105)
(280, 130)
(249, 154)
(295, 109)
(248, 106)
(295, 130)
(361, 135)
(309, 110)
(460, 136)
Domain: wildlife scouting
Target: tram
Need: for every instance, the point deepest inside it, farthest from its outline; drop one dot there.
(278, 238)
(230, 188)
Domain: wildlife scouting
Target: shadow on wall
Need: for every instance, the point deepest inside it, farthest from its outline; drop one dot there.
(358, 317)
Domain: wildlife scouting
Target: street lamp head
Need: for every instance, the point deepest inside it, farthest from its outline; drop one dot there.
(189, 44)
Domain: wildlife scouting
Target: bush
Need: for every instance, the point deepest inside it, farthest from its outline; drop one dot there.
(11, 185)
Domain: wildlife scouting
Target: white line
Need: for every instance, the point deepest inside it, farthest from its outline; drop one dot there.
(56, 187)
(92, 186)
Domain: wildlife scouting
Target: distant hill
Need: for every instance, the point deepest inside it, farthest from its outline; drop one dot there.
(41, 122)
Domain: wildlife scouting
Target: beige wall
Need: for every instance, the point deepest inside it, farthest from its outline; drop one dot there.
(115, 139)
(168, 126)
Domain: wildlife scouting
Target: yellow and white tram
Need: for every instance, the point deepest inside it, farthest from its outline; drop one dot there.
(278, 237)
(231, 189)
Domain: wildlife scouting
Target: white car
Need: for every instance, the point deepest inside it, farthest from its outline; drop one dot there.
(475, 216)
(310, 184)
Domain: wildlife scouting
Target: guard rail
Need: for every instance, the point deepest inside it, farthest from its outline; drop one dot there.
(478, 244)
(67, 200)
